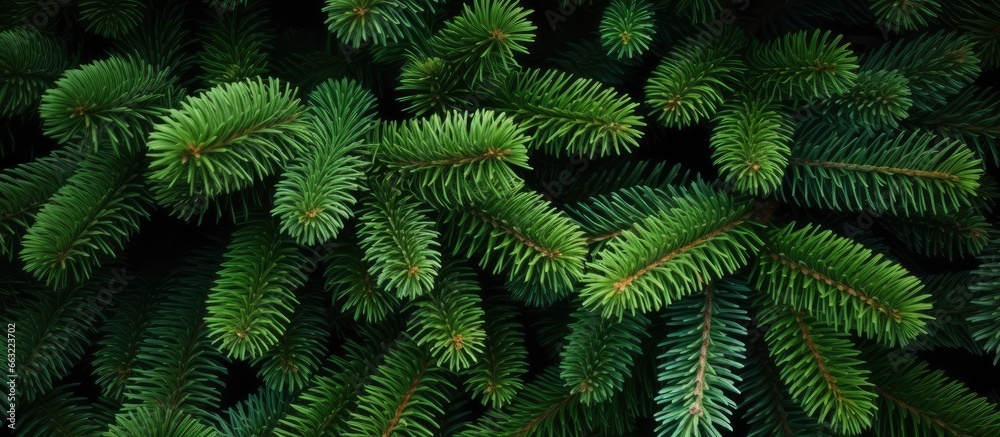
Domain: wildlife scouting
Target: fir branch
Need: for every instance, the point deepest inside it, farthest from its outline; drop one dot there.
(804, 66)
(984, 321)
(235, 46)
(936, 65)
(569, 115)
(905, 175)
(767, 407)
(751, 143)
(350, 279)
(24, 190)
(904, 408)
(206, 150)
(878, 100)
(53, 329)
(599, 353)
(485, 37)
(325, 407)
(301, 347)
(157, 421)
(451, 159)
(527, 237)
(957, 235)
(249, 304)
(30, 62)
(358, 22)
(704, 236)
(315, 193)
(258, 415)
(842, 284)
(179, 371)
(111, 18)
(821, 369)
(58, 412)
(496, 379)
(691, 82)
(399, 241)
(121, 339)
(627, 28)
(91, 217)
(108, 104)
(404, 395)
(448, 321)
(905, 15)
(432, 85)
(698, 399)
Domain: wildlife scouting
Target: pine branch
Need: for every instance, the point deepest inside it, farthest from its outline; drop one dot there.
(821, 369)
(842, 284)
(704, 236)
(904, 175)
(599, 353)
(569, 115)
(30, 62)
(496, 379)
(526, 236)
(109, 104)
(691, 82)
(533, 294)
(448, 321)
(804, 66)
(399, 241)
(606, 217)
(751, 144)
(697, 370)
(253, 295)
(972, 116)
(92, 216)
(953, 307)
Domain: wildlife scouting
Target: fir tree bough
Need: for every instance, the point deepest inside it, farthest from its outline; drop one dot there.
(503, 218)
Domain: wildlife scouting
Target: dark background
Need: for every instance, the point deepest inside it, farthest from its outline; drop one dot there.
(164, 241)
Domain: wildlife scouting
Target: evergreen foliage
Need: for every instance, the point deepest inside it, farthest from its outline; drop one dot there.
(428, 218)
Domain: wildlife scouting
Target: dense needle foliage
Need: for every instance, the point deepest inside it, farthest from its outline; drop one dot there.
(499, 217)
